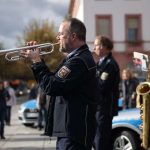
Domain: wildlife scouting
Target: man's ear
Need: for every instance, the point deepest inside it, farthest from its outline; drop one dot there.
(74, 35)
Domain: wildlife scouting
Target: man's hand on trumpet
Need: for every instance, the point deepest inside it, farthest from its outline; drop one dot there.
(32, 54)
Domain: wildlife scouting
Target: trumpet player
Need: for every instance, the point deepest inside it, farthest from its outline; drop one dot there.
(71, 115)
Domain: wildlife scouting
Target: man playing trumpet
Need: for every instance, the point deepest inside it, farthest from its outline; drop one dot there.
(72, 87)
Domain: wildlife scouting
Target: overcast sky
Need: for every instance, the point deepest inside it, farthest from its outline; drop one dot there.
(16, 14)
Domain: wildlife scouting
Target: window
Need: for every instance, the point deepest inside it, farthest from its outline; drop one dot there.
(104, 25)
(133, 29)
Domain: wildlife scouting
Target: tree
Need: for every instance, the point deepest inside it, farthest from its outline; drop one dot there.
(41, 31)
(44, 32)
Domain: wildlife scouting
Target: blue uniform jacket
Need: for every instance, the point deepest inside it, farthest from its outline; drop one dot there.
(108, 73)
(72, 89)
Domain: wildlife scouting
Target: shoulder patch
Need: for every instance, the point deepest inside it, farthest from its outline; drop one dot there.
(104, 76)
(63, 72)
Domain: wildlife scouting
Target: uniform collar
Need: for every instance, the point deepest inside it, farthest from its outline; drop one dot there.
(78, 51)
(104, 59)
(101, 60)
(72, 53)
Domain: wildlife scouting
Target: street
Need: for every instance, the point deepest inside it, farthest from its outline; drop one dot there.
(20, 137)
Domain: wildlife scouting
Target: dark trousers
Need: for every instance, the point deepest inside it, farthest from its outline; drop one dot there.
(102, 139)
(65, 143)
(2, 119)
(8, 114)
(42, 117)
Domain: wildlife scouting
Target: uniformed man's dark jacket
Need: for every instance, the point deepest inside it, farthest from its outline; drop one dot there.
(108, 89)
(72, 88)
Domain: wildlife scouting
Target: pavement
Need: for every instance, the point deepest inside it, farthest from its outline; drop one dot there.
(20, 137)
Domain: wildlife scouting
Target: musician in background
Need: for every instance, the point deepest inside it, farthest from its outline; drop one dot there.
(108, 74)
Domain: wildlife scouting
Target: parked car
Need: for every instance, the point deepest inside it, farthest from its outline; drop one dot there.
(28, 113)
(126, 126)
(126, 130)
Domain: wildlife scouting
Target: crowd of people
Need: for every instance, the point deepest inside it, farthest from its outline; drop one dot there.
(8, 99)
(83, 90)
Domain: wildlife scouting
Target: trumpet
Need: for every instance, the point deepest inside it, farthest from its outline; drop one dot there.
(13, 54)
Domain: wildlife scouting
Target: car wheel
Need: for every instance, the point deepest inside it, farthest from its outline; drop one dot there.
(126, 140)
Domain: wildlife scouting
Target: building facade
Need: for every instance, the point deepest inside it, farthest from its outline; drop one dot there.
(126, 22)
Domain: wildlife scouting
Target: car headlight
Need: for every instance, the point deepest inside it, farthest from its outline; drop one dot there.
(22, 108)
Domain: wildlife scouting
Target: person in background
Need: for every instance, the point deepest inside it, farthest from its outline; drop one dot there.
(128, 89)
(42, 108)
(4, 97)
(10, 102)
(72, 87)
(33, 91)
(108, 74)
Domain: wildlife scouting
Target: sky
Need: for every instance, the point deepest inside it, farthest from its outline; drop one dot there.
(15, 15)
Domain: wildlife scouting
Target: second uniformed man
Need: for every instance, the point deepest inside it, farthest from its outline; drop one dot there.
(108, 75)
